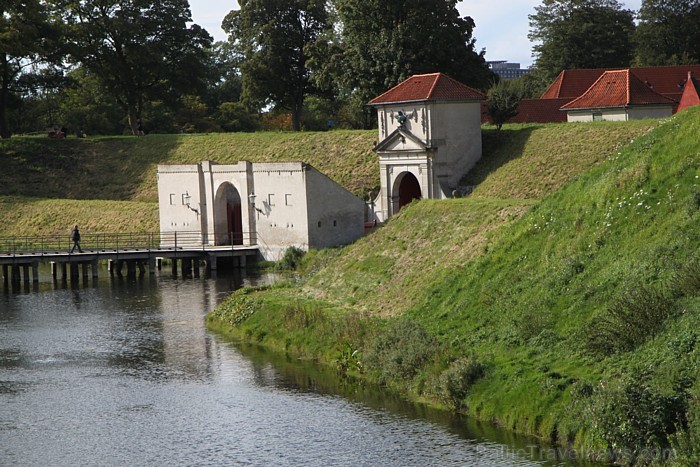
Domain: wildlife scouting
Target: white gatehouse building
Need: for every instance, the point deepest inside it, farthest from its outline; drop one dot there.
(429, 138)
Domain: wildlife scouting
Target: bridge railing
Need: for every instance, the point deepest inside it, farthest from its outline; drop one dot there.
(102, 242)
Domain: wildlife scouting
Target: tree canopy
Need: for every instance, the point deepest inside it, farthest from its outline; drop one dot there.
(139, 49)
(668, 32)
(385, 42)
(277, 38)
(29, 37)
(581, 34)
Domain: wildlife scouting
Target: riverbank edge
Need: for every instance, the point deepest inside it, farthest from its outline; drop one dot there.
(260, 316)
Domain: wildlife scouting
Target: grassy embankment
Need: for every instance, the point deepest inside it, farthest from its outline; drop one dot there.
(110, 184)
(561, 299)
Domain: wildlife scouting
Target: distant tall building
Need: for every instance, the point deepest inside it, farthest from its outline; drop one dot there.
(507, 70)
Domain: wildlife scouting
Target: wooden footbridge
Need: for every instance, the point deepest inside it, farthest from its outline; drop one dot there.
(20, 257)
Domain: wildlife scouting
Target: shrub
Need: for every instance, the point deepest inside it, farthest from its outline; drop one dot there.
(300, 317)
(400, 350)
(637, 421)
(456, 381)
(348, 358)
(687, 281)
(291, 259)
(633, 318)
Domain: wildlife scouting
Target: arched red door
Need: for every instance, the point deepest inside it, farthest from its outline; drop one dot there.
(409, 189)
(234, 222)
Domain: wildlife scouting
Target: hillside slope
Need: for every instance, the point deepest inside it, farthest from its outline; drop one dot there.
(52, 174)
(576, 321)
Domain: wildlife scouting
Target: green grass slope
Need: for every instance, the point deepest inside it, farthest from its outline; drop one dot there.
(576, 319)
(115, 178)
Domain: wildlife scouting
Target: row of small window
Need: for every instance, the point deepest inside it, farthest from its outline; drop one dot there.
(270, 199)
(287, 199)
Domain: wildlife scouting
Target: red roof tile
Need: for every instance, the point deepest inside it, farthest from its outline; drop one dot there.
(572, 83)
(434, 86)
(619, 88)
(691, 93)
(666, 80)
(540, 111)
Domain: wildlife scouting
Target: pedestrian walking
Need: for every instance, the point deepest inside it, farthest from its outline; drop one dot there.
(75, 237)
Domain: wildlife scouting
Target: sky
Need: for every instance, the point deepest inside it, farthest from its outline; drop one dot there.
(501, 25)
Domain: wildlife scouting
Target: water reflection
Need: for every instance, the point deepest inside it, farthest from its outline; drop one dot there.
(124, 372)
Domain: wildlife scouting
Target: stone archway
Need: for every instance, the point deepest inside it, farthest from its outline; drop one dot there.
(228, 219)
(406, 189)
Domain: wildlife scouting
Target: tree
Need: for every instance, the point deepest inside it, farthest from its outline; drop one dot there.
(29, 38)
(277, 38)
(140, 50)
(668, 32)
(385, 42)
(503, 100)
(581, 34)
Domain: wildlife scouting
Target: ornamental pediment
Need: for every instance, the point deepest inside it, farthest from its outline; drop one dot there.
(401, 140)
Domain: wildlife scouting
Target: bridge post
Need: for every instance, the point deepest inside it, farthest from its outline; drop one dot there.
(53, 269)
(173, 266)
(119, 263)
(94, 269)
(211, 263)
(64, 276)
(16, 279)
(25, 270)
(242, 261)
(151, 266)
(35, 272)
(130, 268)
(195, 261)
(74, 273)
(85, 272)
(159, 263)
(142, 268)
(5, 274)
(186, 267)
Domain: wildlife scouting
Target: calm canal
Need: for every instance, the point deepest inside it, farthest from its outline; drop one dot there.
(125, 373)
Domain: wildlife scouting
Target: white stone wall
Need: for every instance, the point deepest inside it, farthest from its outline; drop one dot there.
(290, 201)
(639, 113)
(456, 131)
(620, 114)
(450, 133)
(281, 196)
(174, 182)
(336, 216)
(418, 121)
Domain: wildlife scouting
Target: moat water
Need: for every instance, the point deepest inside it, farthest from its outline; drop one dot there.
(124, 372)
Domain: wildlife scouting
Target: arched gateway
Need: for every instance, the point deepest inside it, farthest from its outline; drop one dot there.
(408, 189)
(228, 220)
(429, 138)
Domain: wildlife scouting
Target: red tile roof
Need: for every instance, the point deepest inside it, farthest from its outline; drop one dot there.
(572, 83)
(434, 86)
(620, 88)
(691, 93)
(667, 80)
(540, 111)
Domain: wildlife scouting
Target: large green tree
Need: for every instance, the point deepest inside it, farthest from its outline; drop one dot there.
(581, 34)
(387, 41)
(29, 45)
(277, 39)
(140, 50)
(668, 32)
